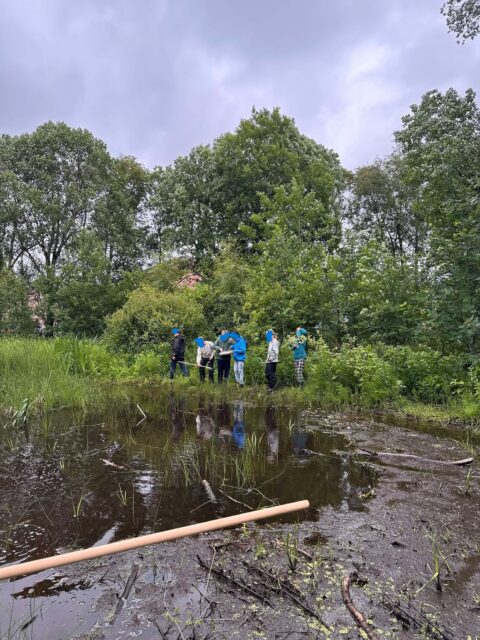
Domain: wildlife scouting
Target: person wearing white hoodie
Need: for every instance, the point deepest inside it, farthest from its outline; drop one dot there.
(272, 359)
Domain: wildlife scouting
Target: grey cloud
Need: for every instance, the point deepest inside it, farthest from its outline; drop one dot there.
(155, 77)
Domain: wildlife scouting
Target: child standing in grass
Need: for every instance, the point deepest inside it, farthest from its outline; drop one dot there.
(299, 348)
(239, 356)
(272, 359)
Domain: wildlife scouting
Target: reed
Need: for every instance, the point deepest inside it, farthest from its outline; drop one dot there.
(37, 376)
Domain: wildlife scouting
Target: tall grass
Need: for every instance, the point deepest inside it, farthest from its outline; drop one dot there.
(38, 372)
(44, 374)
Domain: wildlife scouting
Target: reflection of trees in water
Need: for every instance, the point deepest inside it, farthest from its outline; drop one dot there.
(42, 480)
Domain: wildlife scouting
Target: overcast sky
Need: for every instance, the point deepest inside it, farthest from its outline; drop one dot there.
(153, 78)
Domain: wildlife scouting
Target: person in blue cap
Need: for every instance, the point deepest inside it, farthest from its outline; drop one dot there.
(299, 348)
(223, 345)
(205, 357)
(239, 356)
(178, 353)
(272, 359)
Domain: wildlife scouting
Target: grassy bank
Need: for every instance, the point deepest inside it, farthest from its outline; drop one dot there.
(69, 372)
(36, 373)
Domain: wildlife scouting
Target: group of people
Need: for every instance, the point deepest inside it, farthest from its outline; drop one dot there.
(231, 344)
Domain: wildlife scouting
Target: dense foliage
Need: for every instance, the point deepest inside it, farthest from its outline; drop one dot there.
(381, 265)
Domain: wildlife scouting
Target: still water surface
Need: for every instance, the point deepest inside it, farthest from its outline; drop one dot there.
(73, 480)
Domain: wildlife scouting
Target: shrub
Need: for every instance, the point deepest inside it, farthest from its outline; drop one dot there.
(426, 374)
(148, 316)
(353, 373)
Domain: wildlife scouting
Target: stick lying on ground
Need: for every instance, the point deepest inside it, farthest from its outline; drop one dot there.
(34, 566)
(354, 612)
(387, 454)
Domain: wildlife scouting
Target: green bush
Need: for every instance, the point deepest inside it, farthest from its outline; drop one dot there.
(355, 373)
(148, 316)
(426, 374)
(151, 363)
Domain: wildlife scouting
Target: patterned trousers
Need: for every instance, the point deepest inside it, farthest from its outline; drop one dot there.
(298, 366)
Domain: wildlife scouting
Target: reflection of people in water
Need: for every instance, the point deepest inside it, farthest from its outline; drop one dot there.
(205, 425)
(238, 424)
(272, 434)
(177, 416)
(299, 440)
(224, 422)
(205, 421)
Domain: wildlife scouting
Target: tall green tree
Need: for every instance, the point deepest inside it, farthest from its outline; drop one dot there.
(215, 193)
(440, 140)
(266, 152)
(15, 314)
(62, 173)
(119, 218)
(385, 298)
(184, 216)
(85, 294)
(381, 203)
(294, 283)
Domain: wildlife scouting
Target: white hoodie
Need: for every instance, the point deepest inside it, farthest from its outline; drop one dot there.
(273, 350)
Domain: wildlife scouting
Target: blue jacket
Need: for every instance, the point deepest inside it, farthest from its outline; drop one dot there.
(240, 349)
(299, 347)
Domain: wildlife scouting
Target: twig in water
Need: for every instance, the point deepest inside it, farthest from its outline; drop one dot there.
(420, 622)
(244, 504)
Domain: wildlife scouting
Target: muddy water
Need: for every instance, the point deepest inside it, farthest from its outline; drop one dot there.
(73, 481)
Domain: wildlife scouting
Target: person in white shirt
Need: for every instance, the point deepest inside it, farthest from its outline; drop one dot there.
(205, 358)
(272, 359)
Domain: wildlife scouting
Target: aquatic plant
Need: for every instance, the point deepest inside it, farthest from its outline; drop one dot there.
(290, 544)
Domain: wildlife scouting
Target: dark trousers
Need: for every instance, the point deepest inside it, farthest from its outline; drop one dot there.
(223, 367)
(206, 365)
(271, 374)
(181, 364)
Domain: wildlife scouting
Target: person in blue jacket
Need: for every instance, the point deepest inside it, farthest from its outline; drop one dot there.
(239, 356)
(299, 348)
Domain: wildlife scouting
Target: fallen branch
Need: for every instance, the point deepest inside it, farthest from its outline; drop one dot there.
(309, 452)
(419, 623)
(279, 584)
(388, 454)
(108, 463)
(244, 504)
(228, 577)
(355, 613)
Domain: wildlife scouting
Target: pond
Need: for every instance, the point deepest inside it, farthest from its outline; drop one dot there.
(74, 480)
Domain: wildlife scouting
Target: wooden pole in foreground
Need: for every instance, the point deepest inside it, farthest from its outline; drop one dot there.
(34, 566)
